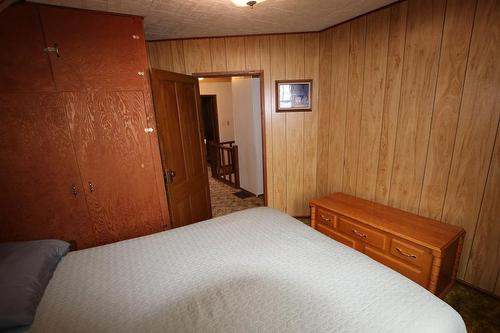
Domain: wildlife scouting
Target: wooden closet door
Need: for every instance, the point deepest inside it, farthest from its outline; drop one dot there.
(42, 194)
(115, 159)
(24, 66)
(96, 50)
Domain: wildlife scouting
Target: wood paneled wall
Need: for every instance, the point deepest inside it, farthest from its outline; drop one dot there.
(291, 138)
(405, 112)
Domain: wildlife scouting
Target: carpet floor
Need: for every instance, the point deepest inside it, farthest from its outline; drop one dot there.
(224, 201)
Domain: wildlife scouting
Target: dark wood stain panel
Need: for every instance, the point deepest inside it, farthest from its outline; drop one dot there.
(24, 66)
(115, 160)
(38, 171)
(97, 51)
(180, 134)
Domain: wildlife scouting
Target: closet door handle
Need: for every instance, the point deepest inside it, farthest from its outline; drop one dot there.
(54, 49)
(91, 187)
(75, 192)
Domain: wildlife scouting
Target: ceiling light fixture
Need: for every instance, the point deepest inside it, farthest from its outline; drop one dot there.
(244, 3)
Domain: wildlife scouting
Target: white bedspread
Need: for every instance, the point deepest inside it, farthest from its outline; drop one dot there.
(253, 271)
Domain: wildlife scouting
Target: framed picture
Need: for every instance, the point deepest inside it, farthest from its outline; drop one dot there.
(293, 95)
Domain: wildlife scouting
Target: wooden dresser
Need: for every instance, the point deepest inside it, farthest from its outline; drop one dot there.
(424, 250)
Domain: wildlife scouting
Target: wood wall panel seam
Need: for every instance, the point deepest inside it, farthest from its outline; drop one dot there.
(455, 38)
(459, 114)
(398, 119)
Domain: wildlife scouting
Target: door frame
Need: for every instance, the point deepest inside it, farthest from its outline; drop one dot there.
(254, 74)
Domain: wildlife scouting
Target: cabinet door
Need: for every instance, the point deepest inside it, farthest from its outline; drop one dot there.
(24, 66)
(42, 194)
(115, 160)
(96, 50)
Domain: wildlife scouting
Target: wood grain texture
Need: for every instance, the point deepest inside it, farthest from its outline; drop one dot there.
(354, 103)
(422, 162)
(477, 126)
(324, 89)
(38, 171)
(338, 111)
(160, 55)
(156, 154)
(424, 31)
(180, 132)
(423, 250)
(80, 66)
(197, 55)
(107, 130)
(265, 61)
(279, 134)
(23, 64)
(484, 261)
(295, 62)
(179, 60)
(450, 81)
(217, 54)
(235, 53)
(392, 93)
(311, 71)
(377, 36)
(252, 53)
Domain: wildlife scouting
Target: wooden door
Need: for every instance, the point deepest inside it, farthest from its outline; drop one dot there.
(210, 118)
(42, 193)
(116, 163)
(211, 126)
(96, 50)
(180, 130)
(24, 66)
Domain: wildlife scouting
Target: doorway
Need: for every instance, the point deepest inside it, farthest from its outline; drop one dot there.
(232, 105)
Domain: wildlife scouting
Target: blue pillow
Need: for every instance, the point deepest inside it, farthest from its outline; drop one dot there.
(25, 270)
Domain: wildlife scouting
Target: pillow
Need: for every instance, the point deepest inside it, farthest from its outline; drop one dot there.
(25, 270)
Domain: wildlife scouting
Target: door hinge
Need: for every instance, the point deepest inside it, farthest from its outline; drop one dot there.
(168, 176)
(54, 49)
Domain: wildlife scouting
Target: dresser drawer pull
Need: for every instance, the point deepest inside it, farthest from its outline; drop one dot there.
(325, 218)
(357, 233)
(406, 254)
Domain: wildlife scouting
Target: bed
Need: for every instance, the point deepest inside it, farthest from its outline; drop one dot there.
(258, 270)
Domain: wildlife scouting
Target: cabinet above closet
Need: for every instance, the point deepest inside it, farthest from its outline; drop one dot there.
(51, 48)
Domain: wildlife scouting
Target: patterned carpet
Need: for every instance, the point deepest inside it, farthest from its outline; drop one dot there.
(225, 202)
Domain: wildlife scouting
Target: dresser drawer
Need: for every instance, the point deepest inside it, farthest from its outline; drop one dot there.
(361, 232)
(341, 238)
(327, 218)
(411, 253)
(414, 273)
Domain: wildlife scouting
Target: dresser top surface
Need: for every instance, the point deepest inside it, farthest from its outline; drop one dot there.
(425, 231)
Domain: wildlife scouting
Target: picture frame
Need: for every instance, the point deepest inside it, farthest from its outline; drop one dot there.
(293, 95)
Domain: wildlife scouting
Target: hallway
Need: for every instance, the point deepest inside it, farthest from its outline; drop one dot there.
(225, 202)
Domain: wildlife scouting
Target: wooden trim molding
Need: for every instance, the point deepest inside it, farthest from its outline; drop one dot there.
(255, 74)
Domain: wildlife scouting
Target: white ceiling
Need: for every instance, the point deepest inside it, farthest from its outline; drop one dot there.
(166, 19)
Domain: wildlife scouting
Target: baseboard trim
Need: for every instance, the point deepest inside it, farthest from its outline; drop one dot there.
(481, 290)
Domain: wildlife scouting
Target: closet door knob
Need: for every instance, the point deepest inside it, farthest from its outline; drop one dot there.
(91, 187)
(54, 49)
(75, 192)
